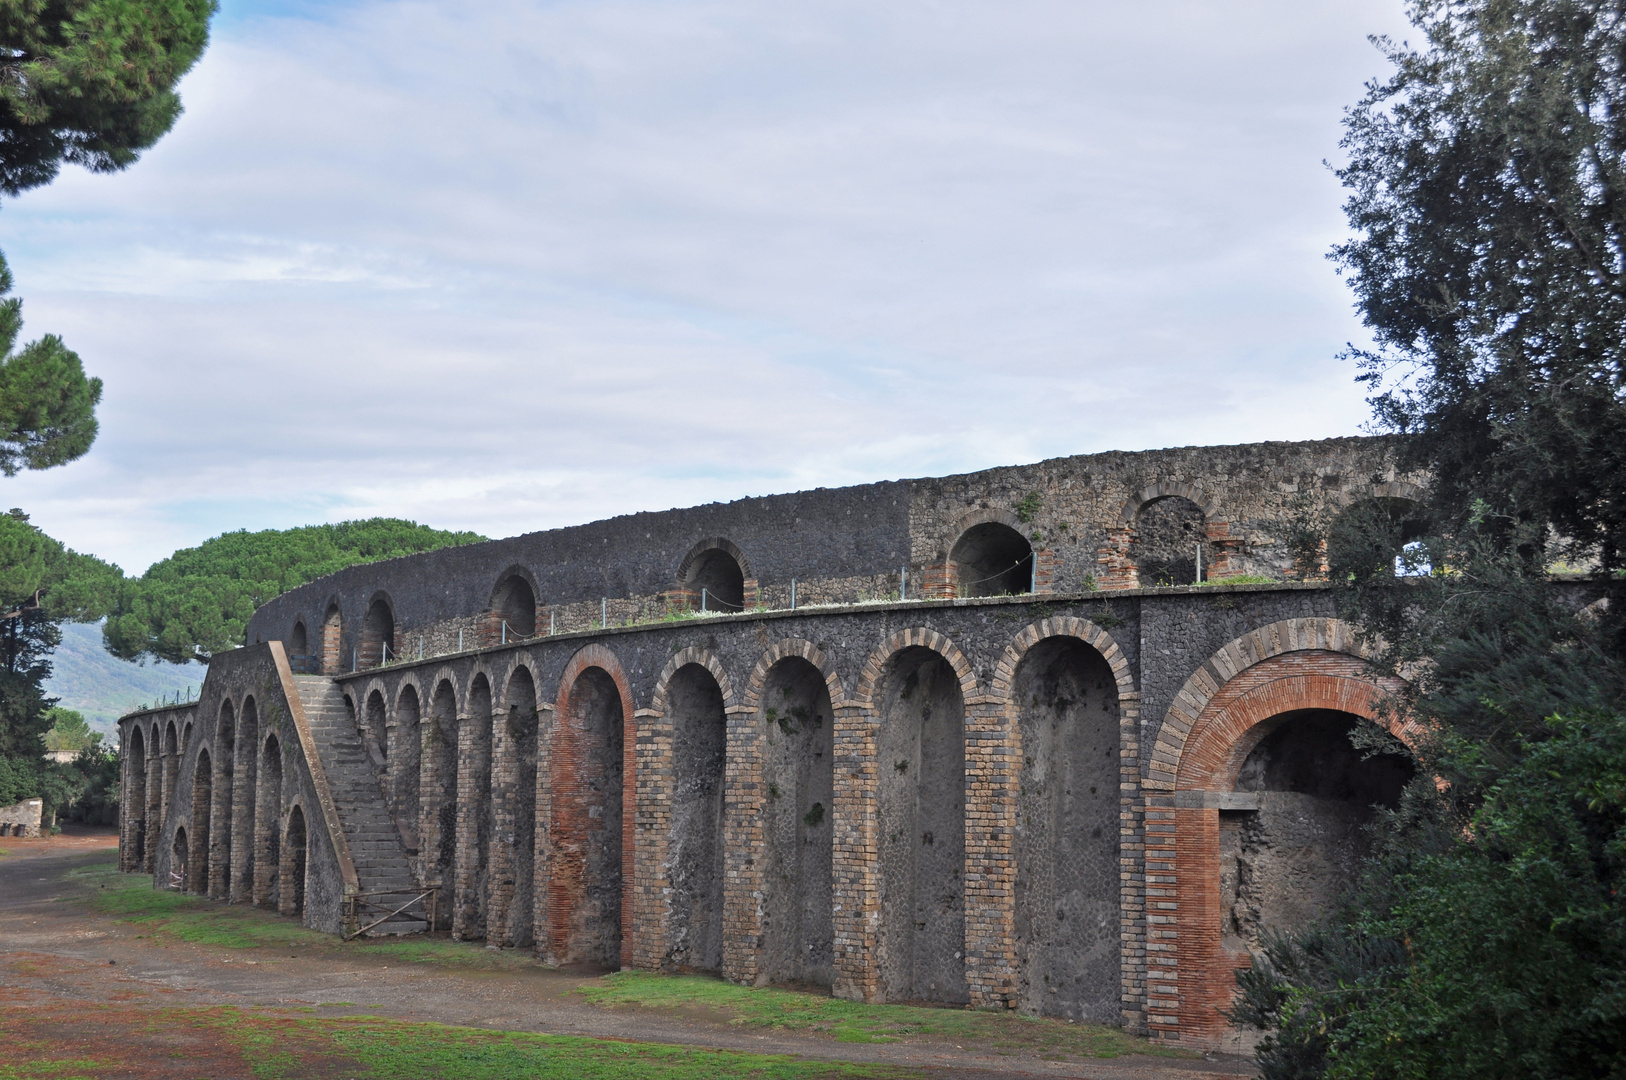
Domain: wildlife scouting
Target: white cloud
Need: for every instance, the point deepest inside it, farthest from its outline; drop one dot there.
(510, 266)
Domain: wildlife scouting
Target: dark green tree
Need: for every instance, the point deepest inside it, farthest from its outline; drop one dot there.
(42, 583)
(91, 82)
(198, 601)
(47, 405)
(1488, 198)
(1487, 937)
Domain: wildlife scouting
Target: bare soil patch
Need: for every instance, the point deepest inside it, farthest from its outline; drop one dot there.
(77, 942)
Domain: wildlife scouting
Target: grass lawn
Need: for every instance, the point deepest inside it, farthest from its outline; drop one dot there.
(161, 913)
(89, 1042)
(850, 1021)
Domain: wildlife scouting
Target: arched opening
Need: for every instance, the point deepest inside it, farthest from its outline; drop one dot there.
(172, 763)
(267, 827)
(716, 580)
(437, 844)
(179, 854)
(798, 781)
(1372, 537)
(992, 559)
(694, 706)
(197, 880)
(1169, 532)
(1067, 885)
(155, 798)
(584, 893)
(374, 732)
(332, 653)
(404, 751)
(514, 603)
(920, 803)
(299, 647)
(1284, 865)
(293, 867)
(514, 793)
(377, 634)
(135, 802)
(244, 792)
(220, 833)
(474, 817)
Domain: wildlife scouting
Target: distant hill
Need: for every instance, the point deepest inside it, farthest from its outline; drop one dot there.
(91, 681)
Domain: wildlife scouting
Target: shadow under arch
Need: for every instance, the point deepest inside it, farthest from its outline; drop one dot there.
(589, 901)
(1070, 702)
(918, 683)
(715, 574)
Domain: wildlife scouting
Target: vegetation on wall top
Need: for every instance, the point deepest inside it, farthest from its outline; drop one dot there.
(198, 601)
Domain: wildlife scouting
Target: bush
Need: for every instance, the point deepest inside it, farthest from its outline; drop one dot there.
(19, 780)
(1500, 952)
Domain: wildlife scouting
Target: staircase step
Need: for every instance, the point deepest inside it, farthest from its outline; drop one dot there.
(376, 847)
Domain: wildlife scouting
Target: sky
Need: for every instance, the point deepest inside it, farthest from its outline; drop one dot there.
(512, 266)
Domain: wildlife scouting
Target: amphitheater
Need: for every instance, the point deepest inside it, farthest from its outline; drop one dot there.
(1006, 739)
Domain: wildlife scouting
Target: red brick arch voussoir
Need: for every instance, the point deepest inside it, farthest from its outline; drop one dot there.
(1239, 718)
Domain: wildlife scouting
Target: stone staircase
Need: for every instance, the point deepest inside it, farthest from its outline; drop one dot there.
(383, 870)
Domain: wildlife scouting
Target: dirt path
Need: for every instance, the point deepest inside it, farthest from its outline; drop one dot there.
(56, 951)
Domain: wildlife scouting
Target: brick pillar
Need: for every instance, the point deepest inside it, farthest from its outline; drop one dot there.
(542, 860)
(1162, 933)
(244, 780)
(221, 823)
(753, 594)
(127, 814)
(1117, 568)
(991, 756)
(155, 803)
(652, 881)
(469, 908)
(1046, 566)
(432, 783)
(1220, 546)
(856, 856)
(941, 581)
(501, 865)
(1205, 978)
(1131, 865)
(743, 847)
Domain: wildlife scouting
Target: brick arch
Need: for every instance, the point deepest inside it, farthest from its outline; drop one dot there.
(1275, 639)
(904, 639)
(1063, 626)
(531, 668)
(694, 654)
(380, 687)
(715, 543)
(520, 571)
(563, 751)
(1164, 490)
(445, 673)
(1225, 709)
(414, 681)
(788, 647)
(1240, 717)
(971, 519)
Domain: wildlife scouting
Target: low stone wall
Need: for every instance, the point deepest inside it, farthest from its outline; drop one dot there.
(22, 819)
